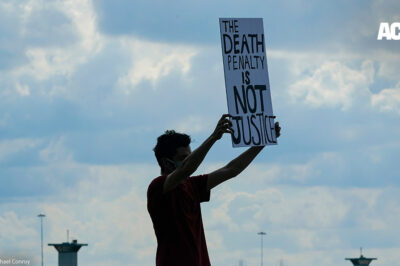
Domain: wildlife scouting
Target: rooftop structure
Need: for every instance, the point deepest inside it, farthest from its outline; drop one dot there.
(68, 253)
(361, 261)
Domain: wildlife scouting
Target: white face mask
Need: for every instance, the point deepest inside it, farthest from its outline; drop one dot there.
(176, 164)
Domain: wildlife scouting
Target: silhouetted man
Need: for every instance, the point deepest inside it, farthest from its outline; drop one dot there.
(173, 199)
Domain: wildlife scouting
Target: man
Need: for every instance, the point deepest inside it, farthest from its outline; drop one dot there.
(173, 199)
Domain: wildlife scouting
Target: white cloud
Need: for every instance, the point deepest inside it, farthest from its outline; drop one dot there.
(314, 207)
(11, 147)
(13, 229)
(18, 238)
(105, 205)
(47, 61)
(387, 100)
(266, 173)
(308, 217)
(23, 90)
(301, 173)
(303, 224)
(56, 152)
(195, 124)
(333, 80)
(106, 209)
(389, 67)
(334, 85)
(152, 61)
(84, 19)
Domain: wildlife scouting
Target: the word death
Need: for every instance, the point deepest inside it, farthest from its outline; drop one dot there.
(248, 43)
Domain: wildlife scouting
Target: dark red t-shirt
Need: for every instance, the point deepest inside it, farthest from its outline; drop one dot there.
(177, 221)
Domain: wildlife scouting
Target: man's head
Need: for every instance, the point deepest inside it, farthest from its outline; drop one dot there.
(171, 149)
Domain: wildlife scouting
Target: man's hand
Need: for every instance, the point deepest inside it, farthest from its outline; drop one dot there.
(237, 165)
(224, 126)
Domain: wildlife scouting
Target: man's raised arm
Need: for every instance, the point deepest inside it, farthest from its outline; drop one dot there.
(237, 165)
(193, 161)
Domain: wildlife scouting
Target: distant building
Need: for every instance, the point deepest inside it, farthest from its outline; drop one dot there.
(361, 261)
(68, 253)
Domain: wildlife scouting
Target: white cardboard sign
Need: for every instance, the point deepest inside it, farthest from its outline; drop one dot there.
(246, 81)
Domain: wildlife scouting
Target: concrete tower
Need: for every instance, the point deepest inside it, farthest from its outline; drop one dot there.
(362, 261)
(68, 253)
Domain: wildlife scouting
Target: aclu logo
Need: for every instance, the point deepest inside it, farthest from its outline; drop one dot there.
(389, 31)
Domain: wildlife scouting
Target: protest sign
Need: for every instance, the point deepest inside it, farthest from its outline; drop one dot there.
(246, 81)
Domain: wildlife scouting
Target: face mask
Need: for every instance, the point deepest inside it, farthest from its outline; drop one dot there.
(176, 164)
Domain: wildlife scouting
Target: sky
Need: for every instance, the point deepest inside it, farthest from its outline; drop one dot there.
(86, 87)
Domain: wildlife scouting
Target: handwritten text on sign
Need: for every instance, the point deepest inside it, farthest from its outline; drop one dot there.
(246, 81)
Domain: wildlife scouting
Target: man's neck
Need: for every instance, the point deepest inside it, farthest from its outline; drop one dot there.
(166, 174)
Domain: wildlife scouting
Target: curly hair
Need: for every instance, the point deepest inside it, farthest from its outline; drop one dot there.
(168, 143)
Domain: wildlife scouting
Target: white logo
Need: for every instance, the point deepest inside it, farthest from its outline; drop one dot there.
(390, 32)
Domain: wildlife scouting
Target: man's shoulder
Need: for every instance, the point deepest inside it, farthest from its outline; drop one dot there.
(157, 181)
(198, 178)
(155, 189)
(160, 178)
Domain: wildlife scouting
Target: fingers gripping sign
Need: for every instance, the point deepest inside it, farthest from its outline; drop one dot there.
(224, 126)
(277, 129)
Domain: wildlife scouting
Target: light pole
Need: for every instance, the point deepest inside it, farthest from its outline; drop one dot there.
(41, 232)
(261, 234)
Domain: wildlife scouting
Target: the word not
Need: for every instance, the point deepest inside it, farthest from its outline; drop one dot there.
(247, 98)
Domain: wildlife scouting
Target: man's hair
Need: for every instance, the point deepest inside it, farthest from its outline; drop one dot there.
(168, 143)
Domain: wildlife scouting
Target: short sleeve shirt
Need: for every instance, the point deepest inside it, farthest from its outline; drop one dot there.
(177, 221)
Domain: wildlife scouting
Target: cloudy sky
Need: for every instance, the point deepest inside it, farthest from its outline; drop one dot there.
(87, 86)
